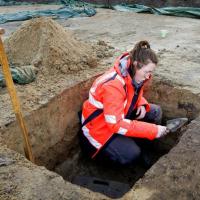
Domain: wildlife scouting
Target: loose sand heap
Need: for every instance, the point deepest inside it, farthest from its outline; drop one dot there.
(59, 58)
(45, 44)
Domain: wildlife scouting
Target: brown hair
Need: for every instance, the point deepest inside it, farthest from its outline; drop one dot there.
(143, 54)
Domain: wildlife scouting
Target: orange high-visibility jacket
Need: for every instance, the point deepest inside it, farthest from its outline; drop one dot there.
(112, 93)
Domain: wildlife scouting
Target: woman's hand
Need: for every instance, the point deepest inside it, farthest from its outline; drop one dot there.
(141, 112)
(162, 131)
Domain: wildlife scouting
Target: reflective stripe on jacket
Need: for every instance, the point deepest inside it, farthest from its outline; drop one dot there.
(113, 93)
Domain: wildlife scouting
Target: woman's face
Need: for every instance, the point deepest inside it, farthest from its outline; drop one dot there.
(144, 73)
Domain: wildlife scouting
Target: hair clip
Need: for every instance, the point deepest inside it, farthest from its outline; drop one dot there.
(145, 46)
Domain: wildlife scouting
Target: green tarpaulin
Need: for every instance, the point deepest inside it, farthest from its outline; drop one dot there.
(20, 75)
(77, 8)
(63, 13)
(74, 8)
(13, 2)
(173, 11)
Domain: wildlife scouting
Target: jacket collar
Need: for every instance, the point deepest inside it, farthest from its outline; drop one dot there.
(122, 65)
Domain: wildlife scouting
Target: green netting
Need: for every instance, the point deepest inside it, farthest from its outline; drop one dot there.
(20, 75)
(173, 11)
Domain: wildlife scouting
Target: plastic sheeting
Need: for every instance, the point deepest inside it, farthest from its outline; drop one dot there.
(77, 8)
(13, 2)
(63, 13)
(173, 11)
(20, 75)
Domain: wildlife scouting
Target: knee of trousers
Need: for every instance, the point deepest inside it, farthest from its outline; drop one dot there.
(131, 156)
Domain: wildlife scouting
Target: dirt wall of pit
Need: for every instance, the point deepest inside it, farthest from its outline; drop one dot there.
(52, 128)
(175, 175)
(174, 100)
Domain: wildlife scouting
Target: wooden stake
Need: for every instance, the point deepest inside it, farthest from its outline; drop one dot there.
(14, 99)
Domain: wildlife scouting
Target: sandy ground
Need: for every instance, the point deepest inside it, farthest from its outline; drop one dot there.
(179, 65)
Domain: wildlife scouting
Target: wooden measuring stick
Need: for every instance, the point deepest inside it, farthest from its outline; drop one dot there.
(14, 98)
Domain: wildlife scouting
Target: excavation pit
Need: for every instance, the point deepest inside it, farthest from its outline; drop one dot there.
(115, 181)
(53, 126)
(109, 179)
(53, 131)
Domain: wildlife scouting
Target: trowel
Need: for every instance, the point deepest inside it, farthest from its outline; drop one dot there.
(174, 124)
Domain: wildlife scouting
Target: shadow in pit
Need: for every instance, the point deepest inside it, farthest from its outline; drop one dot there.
(112, 181)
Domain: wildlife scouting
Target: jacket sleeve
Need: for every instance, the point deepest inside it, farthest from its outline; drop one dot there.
(113, 98)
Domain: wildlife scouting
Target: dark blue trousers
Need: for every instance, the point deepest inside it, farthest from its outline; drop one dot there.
(121, 149)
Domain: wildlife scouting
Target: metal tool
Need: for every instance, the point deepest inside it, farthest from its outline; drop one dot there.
(14, 98)
(175, 124)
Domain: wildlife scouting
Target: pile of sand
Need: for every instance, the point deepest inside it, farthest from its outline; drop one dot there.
(45, 44)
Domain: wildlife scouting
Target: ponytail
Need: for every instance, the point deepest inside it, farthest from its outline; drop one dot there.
(143, 54)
